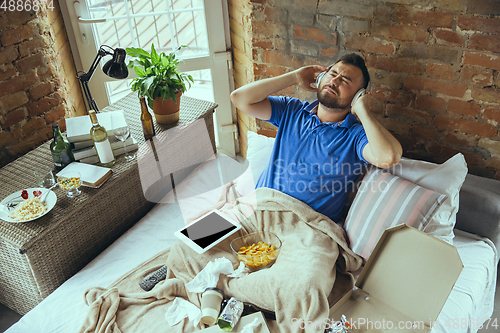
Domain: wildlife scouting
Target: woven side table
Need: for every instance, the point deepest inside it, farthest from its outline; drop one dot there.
(38, 256)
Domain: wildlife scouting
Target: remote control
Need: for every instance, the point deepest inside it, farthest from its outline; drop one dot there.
(148, 283)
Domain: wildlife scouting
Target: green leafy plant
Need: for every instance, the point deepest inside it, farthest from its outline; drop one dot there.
(158, 75)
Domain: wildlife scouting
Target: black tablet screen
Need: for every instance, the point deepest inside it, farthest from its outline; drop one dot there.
(208, 230)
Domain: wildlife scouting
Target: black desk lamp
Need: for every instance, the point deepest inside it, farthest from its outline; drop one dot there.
(115, 68)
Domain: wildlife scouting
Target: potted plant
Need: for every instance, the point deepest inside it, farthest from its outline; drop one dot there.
(160, 81)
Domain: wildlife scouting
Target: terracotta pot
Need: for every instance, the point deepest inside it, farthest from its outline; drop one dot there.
(168, 111)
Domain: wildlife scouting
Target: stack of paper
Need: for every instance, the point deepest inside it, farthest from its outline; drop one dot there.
(78, 134)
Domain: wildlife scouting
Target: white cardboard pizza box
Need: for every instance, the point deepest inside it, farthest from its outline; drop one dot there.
(244, 320)
(404, 284)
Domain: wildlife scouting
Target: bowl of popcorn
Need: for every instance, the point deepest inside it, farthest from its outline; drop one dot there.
(257, 250)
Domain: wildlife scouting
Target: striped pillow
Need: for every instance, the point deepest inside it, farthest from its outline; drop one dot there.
(383, 201)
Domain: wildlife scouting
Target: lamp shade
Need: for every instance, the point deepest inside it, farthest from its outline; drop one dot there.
(116, 67)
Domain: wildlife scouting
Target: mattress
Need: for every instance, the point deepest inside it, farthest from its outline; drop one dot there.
(64, 310)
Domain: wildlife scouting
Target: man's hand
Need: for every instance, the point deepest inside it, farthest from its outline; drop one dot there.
(252, 98)
(382, 150)
(307, 76)
(363, 104)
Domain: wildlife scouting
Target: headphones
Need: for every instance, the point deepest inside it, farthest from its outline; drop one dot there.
(358, 94)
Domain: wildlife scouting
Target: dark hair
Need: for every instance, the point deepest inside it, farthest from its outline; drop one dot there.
(356, 60)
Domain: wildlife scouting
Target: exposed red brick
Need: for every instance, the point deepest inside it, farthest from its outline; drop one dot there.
(460, 140)
(55, 114)
(280, 58)
(15, 100)
(395, 64)
(426, 102)
(6, 72)
(408, 15)
(31, 62)
(408, 114)
(269, 28)
(424, 132)
(17, 83)
(490, 95)
(384, 94)
(268, 71)
(13, 117)
(484, 43)
(483, 60)
(263, 42)
(394, 96)
(395, 126)
(46, 72)
(7, 138)
(440, 150)
(17, 35)
(486, 25)
(370, 44)
(493, 114)
(40, 90)
(377, 107)
(401, 32)
(445, 54)
(466, 126)
(483, 7)
(440, 71)
(476, 76)
(473, 159)
(33, 125)
(28, 47)
(26, 144)
(41, 106)
(317, 35)
(450, 89)
(17, 18)
(462, 107)
(330, 51)
(8, 54)
(448, 37)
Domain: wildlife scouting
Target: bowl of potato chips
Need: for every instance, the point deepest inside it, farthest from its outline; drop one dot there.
(257, 250)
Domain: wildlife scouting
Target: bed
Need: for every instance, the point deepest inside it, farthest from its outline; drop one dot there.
(469, 304)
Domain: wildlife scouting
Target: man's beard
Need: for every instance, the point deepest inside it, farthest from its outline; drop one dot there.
(330, 100)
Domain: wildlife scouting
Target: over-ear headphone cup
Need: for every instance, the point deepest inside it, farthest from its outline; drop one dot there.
(319, 78)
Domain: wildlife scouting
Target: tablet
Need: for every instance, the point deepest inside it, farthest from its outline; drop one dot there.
(207, 231)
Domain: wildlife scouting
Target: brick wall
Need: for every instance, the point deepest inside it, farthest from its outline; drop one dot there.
(435, 65)
(37, 79)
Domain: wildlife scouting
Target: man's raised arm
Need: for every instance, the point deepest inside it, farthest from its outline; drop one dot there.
(252, 98)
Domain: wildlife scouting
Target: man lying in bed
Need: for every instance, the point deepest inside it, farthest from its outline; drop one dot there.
(321, 147)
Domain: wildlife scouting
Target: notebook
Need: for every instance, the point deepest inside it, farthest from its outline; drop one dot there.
(91, 175)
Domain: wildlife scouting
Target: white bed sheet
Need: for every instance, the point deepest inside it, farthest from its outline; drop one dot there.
(472, 299)
(64, 310)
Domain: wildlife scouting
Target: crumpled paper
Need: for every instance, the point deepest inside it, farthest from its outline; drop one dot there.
(181, 309)
(248, 328)
(209, 276)
(241, 271)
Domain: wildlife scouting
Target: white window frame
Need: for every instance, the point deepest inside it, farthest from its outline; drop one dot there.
(218, 61)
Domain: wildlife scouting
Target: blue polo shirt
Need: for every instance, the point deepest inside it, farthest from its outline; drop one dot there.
(312, 161)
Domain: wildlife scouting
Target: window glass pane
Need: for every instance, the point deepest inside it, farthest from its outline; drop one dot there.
(201, 89)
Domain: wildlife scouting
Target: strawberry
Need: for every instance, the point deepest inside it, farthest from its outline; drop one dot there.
(37, 193)
(24, 194)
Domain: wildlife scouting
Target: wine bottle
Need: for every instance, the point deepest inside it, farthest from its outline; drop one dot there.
(101, 142)
(147, 120)
(60, 149)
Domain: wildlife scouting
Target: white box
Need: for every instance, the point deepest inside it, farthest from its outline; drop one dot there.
(404, 284)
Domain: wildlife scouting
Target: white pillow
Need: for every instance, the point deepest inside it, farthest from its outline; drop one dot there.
(259, 152)
(446, 178)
